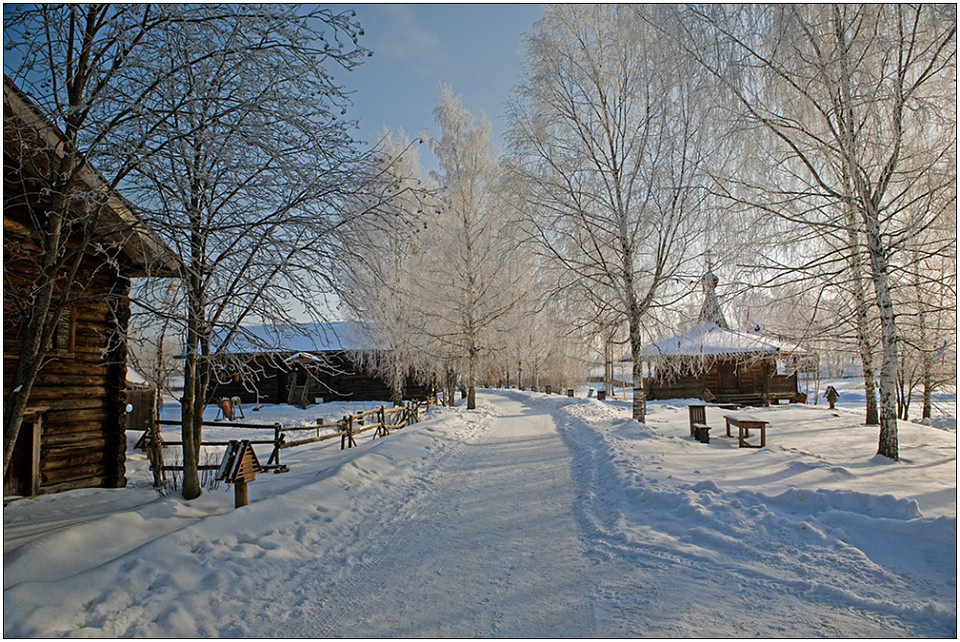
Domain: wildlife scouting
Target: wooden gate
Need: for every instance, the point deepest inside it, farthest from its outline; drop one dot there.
(140, 404)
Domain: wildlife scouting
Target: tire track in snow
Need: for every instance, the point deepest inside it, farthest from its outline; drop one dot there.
(484, 545)
(688, 560)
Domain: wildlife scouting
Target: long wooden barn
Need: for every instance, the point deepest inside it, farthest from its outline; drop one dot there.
(73, 432)
(306, 363)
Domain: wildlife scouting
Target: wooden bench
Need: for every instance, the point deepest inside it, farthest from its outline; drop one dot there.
(698, 423)
(698, 416)
(745, 424)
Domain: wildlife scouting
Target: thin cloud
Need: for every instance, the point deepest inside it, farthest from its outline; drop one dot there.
(405, 39)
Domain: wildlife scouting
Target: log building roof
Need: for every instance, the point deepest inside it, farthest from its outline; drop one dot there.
(28, 130)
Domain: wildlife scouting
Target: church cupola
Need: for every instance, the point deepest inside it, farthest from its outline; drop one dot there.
(711, 312)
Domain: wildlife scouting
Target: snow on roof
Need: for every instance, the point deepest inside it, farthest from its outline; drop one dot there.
(303, 356)
(303, 338)
(709, 339)
(135, 377)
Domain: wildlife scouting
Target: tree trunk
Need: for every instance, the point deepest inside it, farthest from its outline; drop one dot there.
(608, 367)
(192, 402)
(861, 309)
(904, 391)
(639, 395)
(868, 204)
(870, 387)
(450, 387)
(927, 383)
(188, 426)
(926, 361)
(471, 381)
(889, 440)
(397, 379)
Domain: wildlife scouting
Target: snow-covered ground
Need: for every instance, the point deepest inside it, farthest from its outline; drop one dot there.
(533, 516)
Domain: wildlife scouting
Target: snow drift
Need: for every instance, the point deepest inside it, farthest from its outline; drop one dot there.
(535, 515)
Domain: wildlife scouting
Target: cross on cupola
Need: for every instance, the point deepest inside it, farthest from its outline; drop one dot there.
(710, 312)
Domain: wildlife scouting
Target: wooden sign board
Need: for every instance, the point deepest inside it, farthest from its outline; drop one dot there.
(239, 464)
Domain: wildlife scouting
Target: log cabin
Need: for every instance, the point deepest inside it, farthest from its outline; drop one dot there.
(72, 435)
(305, 363)
(725, 366)
(715, 363)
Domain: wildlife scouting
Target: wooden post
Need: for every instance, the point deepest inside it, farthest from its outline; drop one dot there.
(156, 451)
(347, 439)
(382, 418)
(275, 455)
(239, 493)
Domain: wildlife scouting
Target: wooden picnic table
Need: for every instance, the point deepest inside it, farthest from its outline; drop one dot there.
(745, 423)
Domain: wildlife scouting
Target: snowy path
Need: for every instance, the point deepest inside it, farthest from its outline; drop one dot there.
(533, 516)
(465, 529)
(467, 555)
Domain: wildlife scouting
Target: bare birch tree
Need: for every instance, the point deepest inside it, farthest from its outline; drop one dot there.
(257, 169)
(859, 101)
(610, 131)
(468, 281)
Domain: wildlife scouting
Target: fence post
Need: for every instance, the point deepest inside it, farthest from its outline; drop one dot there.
(348, 438)
(156, 446)
(276, 445)
(382, 418)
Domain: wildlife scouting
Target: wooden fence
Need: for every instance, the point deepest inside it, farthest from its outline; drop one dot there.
(382, 420)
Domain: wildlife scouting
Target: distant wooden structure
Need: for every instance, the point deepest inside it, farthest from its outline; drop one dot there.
(73, 433)
(760, 375)
(717, 364)
(304, 365)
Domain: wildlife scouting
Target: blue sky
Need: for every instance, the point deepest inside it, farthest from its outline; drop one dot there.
(474, 48)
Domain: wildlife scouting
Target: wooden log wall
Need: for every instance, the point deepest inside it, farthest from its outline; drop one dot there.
(265, 381)
(756, 376)
(82, 440)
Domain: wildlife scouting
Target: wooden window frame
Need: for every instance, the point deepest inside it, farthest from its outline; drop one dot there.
(67, 326)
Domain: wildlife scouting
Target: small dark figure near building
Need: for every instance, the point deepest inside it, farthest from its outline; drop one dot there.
(831, 395)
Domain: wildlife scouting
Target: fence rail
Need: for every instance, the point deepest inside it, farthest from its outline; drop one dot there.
(383, 420)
